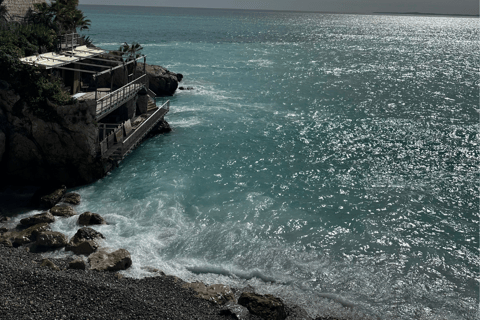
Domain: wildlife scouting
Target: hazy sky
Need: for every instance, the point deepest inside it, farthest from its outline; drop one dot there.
(361, 6)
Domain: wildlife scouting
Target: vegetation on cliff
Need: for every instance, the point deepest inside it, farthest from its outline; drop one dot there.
(38, 33)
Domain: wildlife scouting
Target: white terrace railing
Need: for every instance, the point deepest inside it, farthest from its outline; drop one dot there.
(123, 139)
(113, 100)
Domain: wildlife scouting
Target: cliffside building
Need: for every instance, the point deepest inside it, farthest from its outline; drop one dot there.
(125, 110)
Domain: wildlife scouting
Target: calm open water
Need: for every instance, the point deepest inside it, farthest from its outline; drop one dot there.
(331, 160)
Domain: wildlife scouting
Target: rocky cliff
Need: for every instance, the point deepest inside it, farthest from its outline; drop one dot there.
(48, 146)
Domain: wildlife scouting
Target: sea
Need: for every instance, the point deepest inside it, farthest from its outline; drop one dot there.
(331, 160)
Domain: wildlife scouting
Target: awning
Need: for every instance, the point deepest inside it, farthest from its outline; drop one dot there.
(84, 52)
(49, 60)
(53, 60)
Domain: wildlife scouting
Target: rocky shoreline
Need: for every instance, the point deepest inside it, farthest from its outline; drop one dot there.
(88, 285)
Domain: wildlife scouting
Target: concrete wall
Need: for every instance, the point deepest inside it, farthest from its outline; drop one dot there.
(19, 8)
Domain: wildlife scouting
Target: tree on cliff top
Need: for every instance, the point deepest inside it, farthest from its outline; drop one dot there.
(61, 15)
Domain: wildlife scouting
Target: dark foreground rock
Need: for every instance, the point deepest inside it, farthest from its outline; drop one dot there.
(50, 240)
(72, 198)
(48, 196)
(217, 293)
(89, 218)
(63, 211)
(102, 260)
(44, 217)
(266, 306)
(18, 237)
(29, 291)
(84, 241)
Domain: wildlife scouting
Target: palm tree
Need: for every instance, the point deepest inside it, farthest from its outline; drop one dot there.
(63, 15)
(132, 51)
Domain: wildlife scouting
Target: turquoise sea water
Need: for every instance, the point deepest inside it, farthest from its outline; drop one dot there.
(331, 160)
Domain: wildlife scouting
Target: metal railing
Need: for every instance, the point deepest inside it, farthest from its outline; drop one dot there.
(117, 144)
(141, 131)
(113, 100)
(68, 41)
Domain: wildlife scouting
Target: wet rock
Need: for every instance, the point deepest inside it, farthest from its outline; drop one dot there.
(63, 211)
(160, 128)
(4, 219)
(84, 247)
(79, 264)
(84, 241)
(236, 311)
(21, 237)
(51, 240)
(49, 264)
(3, 230)
(89, 218)
(44, 217)
(160, 80)
(102, 260)
(47, 197)
(266, 306)
(72, 198)
(218, 293)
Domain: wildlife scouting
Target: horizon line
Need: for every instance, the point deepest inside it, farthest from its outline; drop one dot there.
(298, 11)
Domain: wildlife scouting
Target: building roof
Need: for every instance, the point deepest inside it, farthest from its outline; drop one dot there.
(52, 60)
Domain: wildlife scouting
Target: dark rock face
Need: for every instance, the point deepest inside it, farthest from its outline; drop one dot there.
(102, 260)
(161, 81)
(63, 211)
(89, 218)
(266, 306)
(45, 217)
(84, 241)
(51, 240)
(58, 149)
(72, 198)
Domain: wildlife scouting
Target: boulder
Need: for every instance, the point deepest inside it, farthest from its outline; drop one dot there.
(266, 306)
(51, 240)
(3, 230)
(102, 260)
(160, 80)
(52, 198)
(44, 217)
(218, 293)
(87, 233)
(49, 264)
(21, 237)
(72, 198)
(161, 127)
(63, 211)
(84, 241)
(84, 247)
(4, 219)
(89, 218)
(77, 264)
